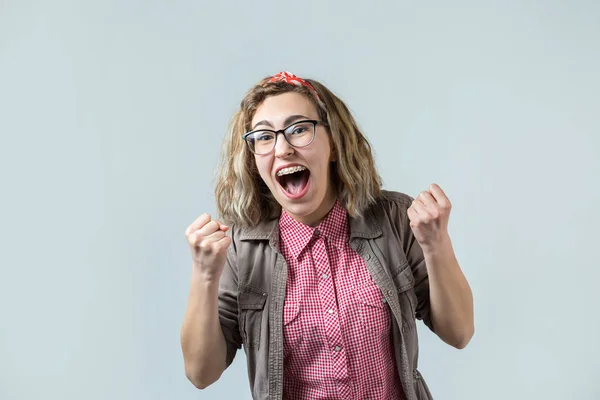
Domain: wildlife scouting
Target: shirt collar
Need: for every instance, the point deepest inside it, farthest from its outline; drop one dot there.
(296, 236)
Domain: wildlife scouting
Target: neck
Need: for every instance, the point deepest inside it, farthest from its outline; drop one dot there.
(320, 213)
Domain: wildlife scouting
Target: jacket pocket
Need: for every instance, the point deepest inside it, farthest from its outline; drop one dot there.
(405, 284)
(372, 309)
(252, 304)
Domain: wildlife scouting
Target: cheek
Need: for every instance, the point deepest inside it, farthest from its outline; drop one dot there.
(263, 166)
(325, 160)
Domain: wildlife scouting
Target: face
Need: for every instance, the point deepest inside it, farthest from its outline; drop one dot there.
(298, 178)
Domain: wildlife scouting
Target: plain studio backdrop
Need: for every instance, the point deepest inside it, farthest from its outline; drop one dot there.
(112, 115)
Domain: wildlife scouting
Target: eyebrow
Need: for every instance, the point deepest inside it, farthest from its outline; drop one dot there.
(286, 122)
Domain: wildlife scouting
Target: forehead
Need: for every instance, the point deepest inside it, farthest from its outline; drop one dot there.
(276, 108)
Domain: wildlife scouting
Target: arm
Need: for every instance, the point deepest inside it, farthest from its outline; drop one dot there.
(450, 297)
(202, 341)
(451, 300)
(207, 341)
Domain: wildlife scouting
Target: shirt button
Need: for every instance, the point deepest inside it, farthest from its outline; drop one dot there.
(338, 348)
(330, 311)
(317, 233)
(324, 276)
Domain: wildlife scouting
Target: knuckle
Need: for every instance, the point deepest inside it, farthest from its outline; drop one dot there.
(189, 231)
(193, 239)
(205, 246)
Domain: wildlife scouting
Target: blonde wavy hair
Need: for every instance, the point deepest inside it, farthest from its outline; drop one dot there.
(245, 200)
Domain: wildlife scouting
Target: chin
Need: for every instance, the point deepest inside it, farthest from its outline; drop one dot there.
(300, 210)
(304, 211)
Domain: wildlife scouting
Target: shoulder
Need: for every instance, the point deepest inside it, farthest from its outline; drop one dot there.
(262, 231)
(390, 212)
(393, 200)
(247, 240)
(388, 205)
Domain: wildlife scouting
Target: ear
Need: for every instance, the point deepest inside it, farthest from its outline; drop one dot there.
(333, 155)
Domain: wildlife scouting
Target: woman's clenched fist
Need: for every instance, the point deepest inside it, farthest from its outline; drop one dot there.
(429, 215)
(208, 245)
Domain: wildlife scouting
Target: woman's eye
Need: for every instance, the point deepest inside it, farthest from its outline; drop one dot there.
(264, 137)
(298, 130)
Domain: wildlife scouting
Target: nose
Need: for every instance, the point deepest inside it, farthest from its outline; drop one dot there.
(282, 147)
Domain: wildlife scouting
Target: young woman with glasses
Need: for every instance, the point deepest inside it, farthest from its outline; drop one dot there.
(312, 267)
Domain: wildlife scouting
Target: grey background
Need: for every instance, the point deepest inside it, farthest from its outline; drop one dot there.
(111, 119)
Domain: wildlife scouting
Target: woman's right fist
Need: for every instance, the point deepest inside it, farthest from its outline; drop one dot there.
(208, 244)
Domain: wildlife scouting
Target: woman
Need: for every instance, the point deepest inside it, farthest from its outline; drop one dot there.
(313, 268)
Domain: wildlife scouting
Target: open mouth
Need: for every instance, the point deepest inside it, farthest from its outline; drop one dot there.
(293, 180)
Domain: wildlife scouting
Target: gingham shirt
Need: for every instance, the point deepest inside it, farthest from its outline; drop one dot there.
(337, 327)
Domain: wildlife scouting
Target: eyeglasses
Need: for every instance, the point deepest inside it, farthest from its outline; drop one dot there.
(299, 134)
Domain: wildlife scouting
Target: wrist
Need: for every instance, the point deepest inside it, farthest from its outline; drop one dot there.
(204, 279)
(440, 247)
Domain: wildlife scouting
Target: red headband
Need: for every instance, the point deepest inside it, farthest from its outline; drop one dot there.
(294, 80)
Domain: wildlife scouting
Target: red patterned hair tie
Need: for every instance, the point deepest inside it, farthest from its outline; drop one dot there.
(294, 80)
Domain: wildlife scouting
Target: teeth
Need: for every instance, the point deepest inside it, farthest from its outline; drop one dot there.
(290, 170)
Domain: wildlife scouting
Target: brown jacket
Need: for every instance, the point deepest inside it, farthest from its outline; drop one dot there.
(252, 291)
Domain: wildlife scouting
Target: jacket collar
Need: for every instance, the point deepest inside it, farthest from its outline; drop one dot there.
(363, 226)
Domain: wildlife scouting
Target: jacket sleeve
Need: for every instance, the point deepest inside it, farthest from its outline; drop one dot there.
(228, 305)
(416, 261)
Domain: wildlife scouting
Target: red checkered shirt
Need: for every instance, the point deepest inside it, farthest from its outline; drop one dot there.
(337, 328)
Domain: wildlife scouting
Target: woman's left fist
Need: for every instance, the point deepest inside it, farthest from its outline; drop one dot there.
(429, 215)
